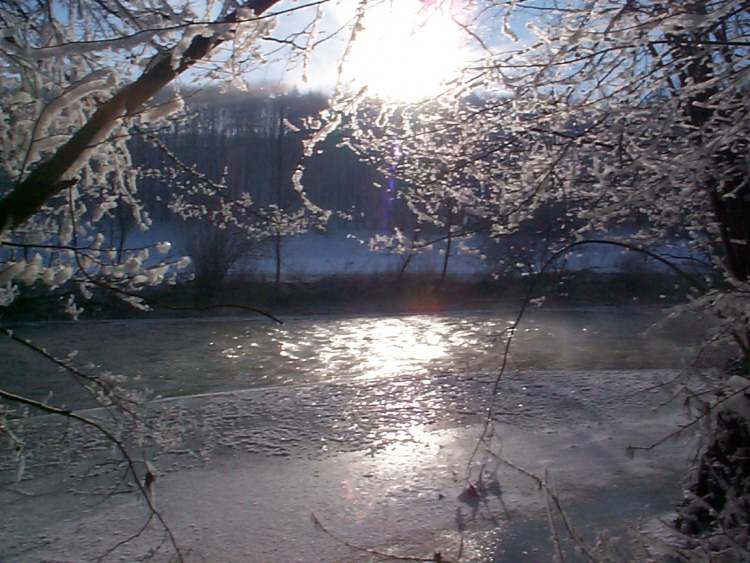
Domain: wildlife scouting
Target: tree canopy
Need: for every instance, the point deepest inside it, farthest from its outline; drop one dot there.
(80, 78)
(631, 116)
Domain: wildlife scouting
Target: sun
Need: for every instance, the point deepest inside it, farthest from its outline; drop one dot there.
(406, 51)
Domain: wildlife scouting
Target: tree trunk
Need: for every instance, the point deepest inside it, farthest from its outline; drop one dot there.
(448, 244)
(278, 264)
(404, 264)
(728, 189)
(279, 194)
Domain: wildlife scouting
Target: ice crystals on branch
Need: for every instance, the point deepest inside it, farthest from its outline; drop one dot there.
(60, 66)
(164, 247)
(633, 119)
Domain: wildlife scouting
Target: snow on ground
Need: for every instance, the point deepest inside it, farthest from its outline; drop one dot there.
(314, 255)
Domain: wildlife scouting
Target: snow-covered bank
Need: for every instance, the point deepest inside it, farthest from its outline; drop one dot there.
(380, 462)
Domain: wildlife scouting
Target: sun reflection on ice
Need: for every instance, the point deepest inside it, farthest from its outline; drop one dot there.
(407, 447)
(387, 347)
(397, 465)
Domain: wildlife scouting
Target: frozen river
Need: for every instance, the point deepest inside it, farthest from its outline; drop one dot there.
(367, 422)
(195, 356)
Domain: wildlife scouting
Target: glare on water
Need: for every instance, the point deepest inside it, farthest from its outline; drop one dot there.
(177, 357)
(388, 346)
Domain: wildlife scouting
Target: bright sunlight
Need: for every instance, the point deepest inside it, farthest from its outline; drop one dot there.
(407, 50)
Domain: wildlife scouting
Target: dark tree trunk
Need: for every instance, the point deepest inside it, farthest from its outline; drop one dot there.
(279, 193)
(404, 264)
(728, 189)
(277, 280)
(446, 258)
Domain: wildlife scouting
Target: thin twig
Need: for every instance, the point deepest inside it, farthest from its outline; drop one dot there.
(683, 427)
(44, 407)
(552, 527)
(437, 558)
(103, 385)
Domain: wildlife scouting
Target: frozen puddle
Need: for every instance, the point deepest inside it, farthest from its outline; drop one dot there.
(380, 463)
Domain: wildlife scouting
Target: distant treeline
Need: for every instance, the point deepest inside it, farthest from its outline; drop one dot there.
(243, 137)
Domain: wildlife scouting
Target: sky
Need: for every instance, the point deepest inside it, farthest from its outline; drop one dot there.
(405, 52)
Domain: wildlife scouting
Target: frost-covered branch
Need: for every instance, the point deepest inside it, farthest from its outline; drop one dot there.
(53, 175)
(143, 487)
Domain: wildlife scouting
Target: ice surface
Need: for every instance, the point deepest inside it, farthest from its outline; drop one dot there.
(376, 447)
(193, 356)
(381, 463)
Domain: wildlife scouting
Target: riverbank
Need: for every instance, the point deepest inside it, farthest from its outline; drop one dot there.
(371, 294)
